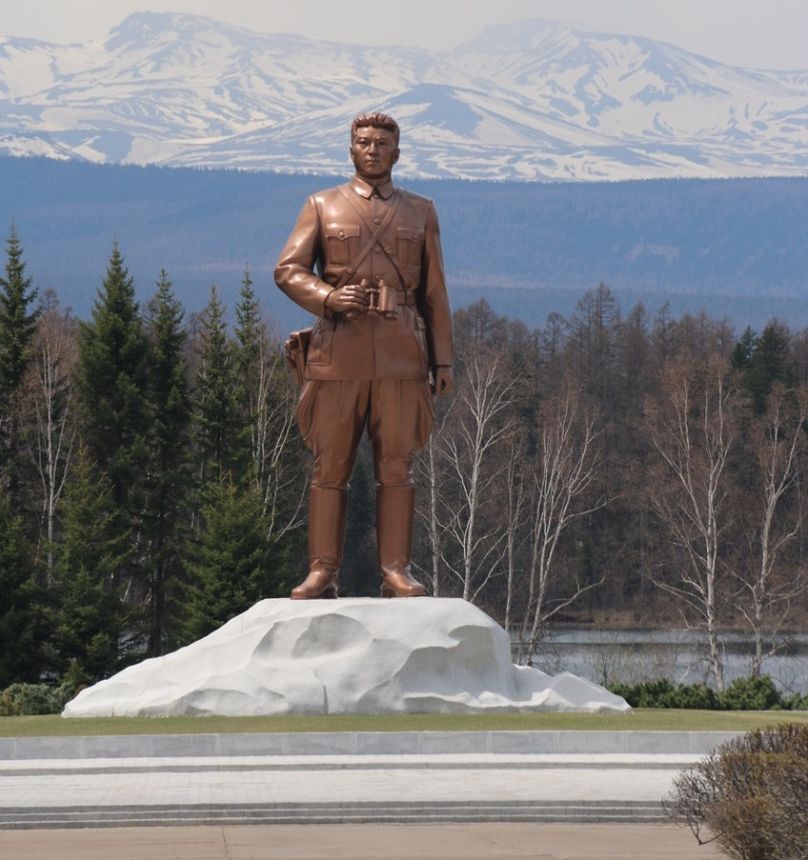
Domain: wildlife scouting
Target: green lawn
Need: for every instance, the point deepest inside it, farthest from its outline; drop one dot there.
(639, 719)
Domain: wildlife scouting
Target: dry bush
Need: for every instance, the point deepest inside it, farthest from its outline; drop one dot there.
(750, 795)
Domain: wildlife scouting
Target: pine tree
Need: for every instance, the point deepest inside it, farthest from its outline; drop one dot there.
(218, 437)
(168, 476)
(741, 358)
(17, 329)
(232, 570)
(111, 379)
(769, 364)
(360, 571)
(89, 614)
(250, 393)
(20, 630)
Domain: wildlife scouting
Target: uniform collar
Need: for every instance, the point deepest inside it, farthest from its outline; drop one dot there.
(365, 189)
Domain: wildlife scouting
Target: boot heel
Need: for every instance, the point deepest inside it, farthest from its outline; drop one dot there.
(329, 593)
(387, 591)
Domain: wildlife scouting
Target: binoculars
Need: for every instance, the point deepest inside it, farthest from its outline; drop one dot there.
(382, 299)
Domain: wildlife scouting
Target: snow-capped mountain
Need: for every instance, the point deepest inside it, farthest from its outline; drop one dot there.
(533, 100)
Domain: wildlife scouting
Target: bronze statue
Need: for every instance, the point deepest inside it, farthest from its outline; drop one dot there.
(365, 257)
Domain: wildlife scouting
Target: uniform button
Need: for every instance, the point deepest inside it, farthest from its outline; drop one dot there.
(377, 220)
(342, 234)
(388, 249)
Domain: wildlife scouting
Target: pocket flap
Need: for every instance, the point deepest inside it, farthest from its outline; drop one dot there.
(408, 234)
(342, 231)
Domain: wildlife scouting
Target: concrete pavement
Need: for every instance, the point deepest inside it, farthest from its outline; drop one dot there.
(499, 841)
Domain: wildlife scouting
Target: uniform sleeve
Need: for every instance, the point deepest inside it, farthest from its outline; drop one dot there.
(437, 313)
(294, 273)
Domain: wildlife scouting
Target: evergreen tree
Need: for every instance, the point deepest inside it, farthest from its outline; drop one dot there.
(17, 329)
(168, 476)
(741, 358)
(769, 364)
(250, 393)
(360, 571)
(89, 613)
(218, 437)
(111, 377)
(232, 569)
(20, 630)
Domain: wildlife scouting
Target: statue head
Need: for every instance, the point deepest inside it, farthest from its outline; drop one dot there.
(374, 146)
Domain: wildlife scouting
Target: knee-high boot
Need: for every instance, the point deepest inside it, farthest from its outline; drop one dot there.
(395, 510)
(326, 535)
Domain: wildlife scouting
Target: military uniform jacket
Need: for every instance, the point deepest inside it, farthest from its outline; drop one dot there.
(331, 232)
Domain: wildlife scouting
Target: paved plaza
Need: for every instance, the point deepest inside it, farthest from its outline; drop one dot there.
(361, 842)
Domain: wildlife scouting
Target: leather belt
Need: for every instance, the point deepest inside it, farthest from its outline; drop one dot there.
(406, 297)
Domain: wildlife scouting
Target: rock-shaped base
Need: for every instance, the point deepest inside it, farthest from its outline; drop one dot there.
(348, 656)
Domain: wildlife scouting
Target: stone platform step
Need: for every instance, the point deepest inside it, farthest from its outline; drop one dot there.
(334, 813)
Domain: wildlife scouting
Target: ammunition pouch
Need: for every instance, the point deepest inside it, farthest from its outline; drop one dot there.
(296, 350)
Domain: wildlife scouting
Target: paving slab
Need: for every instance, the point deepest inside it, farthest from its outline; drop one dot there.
(497, 841)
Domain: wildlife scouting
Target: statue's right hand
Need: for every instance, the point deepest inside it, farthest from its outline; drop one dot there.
(351, 297)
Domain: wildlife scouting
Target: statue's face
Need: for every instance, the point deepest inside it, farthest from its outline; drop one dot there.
(374, 152)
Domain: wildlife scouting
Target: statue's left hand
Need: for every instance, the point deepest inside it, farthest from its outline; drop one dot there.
(444, 381)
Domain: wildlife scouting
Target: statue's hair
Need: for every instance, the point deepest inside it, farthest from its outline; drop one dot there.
(375, 120)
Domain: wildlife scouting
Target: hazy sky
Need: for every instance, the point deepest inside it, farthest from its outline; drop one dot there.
(756, 33)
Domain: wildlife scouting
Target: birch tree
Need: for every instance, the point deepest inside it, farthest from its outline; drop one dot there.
(778, 442)
(516, 496)
(49, 403)
(267, 403)
(472, 449)
(691, 430)
(561, 478)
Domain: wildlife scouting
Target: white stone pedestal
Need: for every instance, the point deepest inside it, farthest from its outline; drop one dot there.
(348, 656)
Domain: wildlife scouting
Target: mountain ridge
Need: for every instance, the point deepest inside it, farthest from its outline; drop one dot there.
(536, 100)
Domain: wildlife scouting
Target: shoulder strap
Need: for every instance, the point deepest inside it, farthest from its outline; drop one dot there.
(375, 234)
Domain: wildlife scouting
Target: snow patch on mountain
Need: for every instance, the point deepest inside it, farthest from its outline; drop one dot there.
(532, 100)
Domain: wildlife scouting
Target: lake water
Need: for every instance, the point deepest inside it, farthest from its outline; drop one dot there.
(631, 656)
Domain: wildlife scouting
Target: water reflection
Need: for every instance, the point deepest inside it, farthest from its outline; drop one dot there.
(631, 656)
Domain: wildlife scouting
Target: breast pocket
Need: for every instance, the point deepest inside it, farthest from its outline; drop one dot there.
(409, 245)
(342, 243)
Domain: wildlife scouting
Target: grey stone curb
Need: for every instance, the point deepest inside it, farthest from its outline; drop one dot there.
(361, 743)
(355, 763)
(337, 813)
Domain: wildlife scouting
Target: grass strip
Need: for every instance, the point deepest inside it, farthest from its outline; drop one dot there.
(640, 719)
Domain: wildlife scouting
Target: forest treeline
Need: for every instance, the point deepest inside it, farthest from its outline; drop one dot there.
(623, 468)
(733, 246)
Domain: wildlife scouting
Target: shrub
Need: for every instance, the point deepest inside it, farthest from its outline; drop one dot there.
(29, 700)
(749, 795)
(743, 694)
(665, 694)
(796, 702)
(751, 694)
